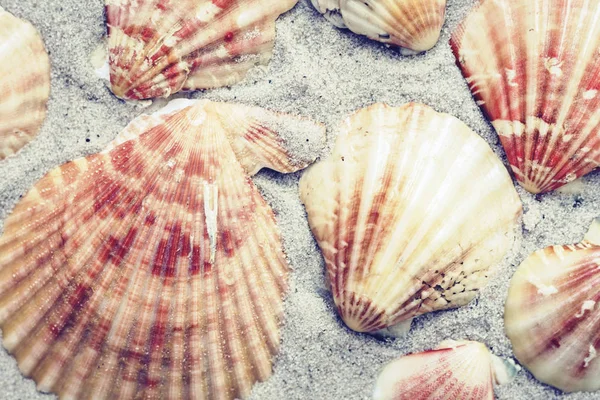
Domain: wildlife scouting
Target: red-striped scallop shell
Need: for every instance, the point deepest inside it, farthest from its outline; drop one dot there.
(454, 370)
(534, 66)
(155, 268)
(389, 211)
(24, 83)
(159, 47)
(413, 25)
(552, 314)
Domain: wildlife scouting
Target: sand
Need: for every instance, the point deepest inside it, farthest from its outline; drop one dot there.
(325, 73)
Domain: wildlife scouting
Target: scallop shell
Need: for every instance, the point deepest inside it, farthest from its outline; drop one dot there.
(413, 25)
(533, 67)
(389, 211)
(24, 83)
(159, 47)
(552, 314)
(155, 268)
(455, 370)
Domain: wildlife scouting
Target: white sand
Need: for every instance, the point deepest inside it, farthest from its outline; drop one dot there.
(325, 73)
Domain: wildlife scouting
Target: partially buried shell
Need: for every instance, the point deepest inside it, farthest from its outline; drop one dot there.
(454, 370)
(154, 269)
(413, 25)
(389, 210)
(24, 83)
(552, 314)
(533, 67)
(159, 47)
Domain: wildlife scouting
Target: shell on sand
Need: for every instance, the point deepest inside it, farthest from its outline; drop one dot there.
(155, 268)
(388, 208)
(413, 25)
(454, 370)
(534, 68)
(24, 83)
(552, 314)
(159, 47)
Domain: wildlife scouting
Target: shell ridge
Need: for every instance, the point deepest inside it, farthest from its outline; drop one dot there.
(430, 217)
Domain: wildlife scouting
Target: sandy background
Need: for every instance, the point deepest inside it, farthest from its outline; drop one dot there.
(321, 72)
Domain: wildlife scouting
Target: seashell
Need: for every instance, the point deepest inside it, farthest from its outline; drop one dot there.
(454, 370)
(532, 66)
(24, 83)
(389, 211)
(413, 25)
(552, 314)
(159, 47)
(155, 268)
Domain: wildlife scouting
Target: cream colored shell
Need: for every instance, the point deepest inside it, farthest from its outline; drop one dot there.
(412, 211)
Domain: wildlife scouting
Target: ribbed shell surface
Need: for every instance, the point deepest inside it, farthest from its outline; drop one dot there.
(24, 83)
(155, 268)
(463, 371)
(411, 24)
(552, 315)
(412, 212)
(534, 68)
(159, 47)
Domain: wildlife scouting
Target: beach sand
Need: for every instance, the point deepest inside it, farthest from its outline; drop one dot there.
(323, 73)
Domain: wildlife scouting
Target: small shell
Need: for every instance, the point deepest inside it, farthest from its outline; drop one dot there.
(159, 47)
(153, 269)
(552, 314)
(455, 370)
(24, 83)
(533, 67)
(389, 211)
(413, 25)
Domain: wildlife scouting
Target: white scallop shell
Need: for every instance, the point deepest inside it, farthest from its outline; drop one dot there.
(389, 210)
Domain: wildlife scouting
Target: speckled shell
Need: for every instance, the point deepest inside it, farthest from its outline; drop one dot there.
(388, 208)
(159, 47)
(552, 314)
(155, 268)
(455, 370)
(413, 25)
(534, 66)
(24, 83)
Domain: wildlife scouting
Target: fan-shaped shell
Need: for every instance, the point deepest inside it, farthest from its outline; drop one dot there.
(153, 269)
(24, 83)
(159, 47)
(413, 25)
(388, 208)
(455, 370)
(534, 66)
(552, 314)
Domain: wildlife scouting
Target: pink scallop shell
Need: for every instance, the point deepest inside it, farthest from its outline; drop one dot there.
(159, 47)
(534, 68)
(455, 370)
(24, 83)
(552, 314)
(155, 268)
